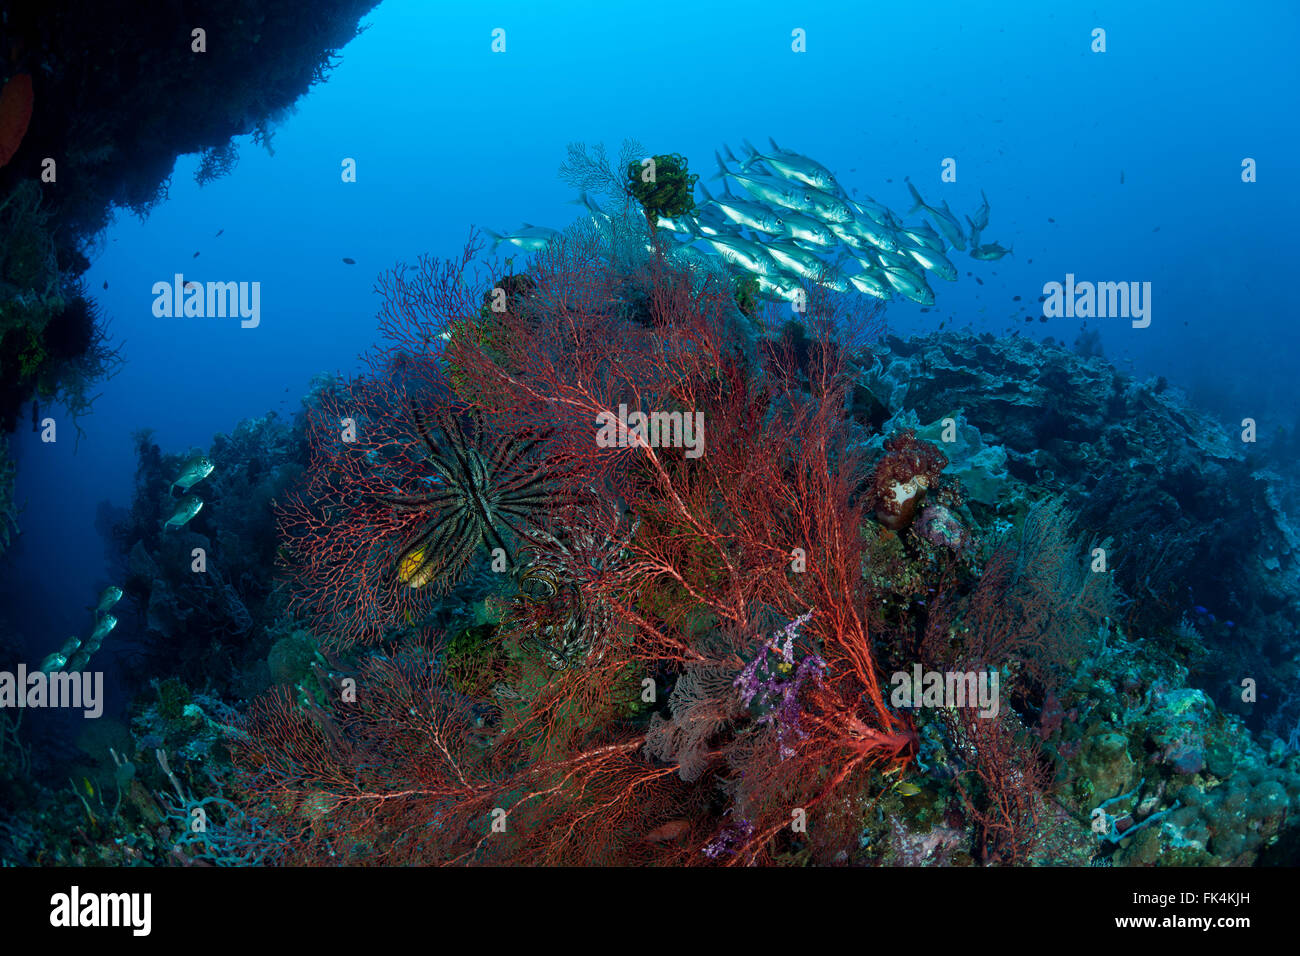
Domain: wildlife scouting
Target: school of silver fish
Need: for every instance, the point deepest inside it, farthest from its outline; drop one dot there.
(789, 223)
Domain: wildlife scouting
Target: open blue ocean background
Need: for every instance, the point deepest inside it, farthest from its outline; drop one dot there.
(1115, 166)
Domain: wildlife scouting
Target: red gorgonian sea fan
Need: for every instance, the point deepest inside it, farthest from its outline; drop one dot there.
(340, 539)
(686, 561)
(401, 497)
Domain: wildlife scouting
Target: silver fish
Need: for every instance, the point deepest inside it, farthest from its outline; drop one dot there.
(688, 255)
(192, 472)
(924, 235)
(743, 253)
(791, 166)
(869, 263)
(950, 227)
(530, 238)
(807, 229)
(872, 285)
(186, 509)
(898, 260)
(846, 236)
(835, 281)
(110, 597)
(990, 253)
(800, 262)
(101, 631)
(779, 287)
(682, 225)
(943, 218)
(746, 213)
(980, 221)
(868, 208)
(709, 220)
(598, 215)
(936, 262)
(779, 192)
(827, 207)
(60, 657)
(910, 286)
(873, 233)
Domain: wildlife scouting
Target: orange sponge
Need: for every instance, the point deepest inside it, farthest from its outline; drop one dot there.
(15, 114)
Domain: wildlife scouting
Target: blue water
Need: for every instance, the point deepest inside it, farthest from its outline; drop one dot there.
(447, 135)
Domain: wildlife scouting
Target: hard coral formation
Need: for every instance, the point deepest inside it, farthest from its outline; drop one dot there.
(942, 528)
(1195, 520)
(977, 464)
(1127, 725)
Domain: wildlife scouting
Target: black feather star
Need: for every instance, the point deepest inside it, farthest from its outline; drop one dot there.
(480, 485)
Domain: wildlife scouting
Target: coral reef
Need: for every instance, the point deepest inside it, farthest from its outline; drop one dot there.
(206, 619)
(1195, 520)
(601, 562)
(694, 561)
(53, 341)
(694, 646)
(1129, 726)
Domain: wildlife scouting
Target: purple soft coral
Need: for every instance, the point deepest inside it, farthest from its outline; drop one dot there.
(770, 683)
